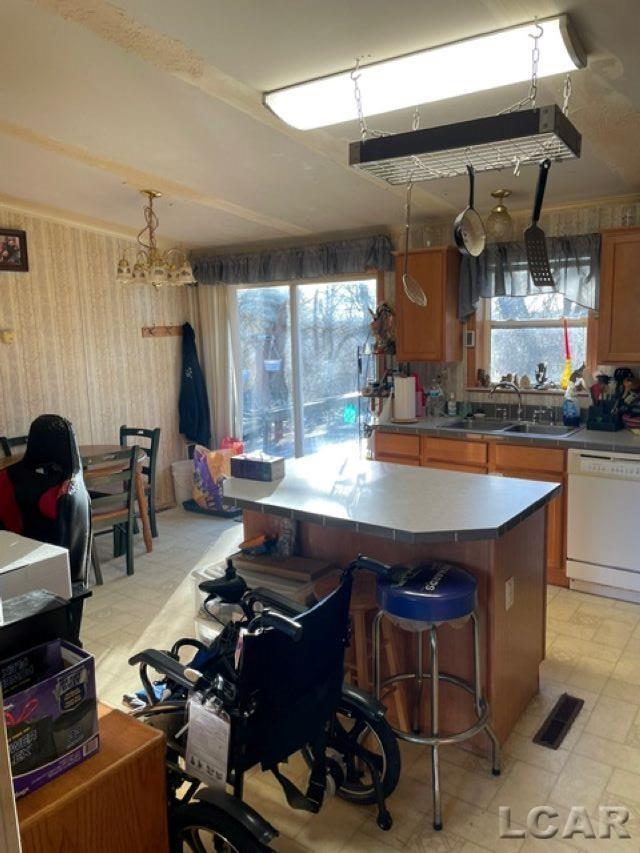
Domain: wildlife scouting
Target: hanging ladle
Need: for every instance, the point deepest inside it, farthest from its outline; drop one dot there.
(412, 288)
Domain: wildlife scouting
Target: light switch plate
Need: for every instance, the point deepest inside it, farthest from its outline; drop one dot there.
(469, 338)
(509, 592)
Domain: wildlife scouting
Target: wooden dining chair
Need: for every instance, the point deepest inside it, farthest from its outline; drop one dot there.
(110, 479)
(7, 444)
(148, 468)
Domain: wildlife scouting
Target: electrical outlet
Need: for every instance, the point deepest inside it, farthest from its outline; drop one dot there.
(509, 591)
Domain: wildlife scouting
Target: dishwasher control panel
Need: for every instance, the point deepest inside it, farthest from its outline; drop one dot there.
(602, 465)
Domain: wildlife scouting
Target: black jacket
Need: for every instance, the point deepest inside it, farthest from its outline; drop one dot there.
(195, 422)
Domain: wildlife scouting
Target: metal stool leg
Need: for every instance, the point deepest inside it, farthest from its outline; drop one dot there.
(418, 685)
(376, 653)
(435, 765)
(495, 745)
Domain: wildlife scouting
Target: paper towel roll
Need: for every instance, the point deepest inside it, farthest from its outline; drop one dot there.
(404, 394)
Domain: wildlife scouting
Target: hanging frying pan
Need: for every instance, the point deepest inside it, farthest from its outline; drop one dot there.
(468, 229)
(534, 240)
(412, 287)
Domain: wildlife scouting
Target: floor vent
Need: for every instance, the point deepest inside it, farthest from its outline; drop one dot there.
(560, 719)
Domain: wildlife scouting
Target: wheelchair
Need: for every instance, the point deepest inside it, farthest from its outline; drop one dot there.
(275, 674)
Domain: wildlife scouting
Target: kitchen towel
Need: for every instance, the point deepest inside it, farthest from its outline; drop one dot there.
(404, 403)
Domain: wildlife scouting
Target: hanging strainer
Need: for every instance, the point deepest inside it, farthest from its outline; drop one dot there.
(411, 286)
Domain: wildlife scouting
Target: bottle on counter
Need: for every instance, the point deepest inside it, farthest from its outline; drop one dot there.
(452, 405)
(436, 399)
(570, 408)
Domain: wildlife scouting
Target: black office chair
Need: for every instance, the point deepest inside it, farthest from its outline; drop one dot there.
(43, 497)
(149, 470)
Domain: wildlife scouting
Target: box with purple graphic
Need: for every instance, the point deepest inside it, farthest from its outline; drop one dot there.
(51, 712)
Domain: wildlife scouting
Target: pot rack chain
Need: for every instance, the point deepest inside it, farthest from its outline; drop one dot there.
(365, 131)
(530, 97)
(566, 94)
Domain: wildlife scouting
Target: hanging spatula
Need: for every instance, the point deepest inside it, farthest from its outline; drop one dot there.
(534, 239)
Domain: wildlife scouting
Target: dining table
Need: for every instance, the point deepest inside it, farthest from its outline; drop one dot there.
(89, 451)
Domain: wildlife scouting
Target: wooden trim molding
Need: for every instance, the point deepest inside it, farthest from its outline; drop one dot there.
(9, 834)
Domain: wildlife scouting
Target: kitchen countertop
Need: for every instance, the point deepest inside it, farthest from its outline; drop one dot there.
(623, 441)
(406, 504)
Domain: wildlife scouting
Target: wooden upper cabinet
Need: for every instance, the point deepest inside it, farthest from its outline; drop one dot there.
(619, 324)
(432, 333)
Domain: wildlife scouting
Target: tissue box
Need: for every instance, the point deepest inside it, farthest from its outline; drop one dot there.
(26, 564)
(259, 466)
(51, 712)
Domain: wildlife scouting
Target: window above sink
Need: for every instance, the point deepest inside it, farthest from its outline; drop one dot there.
(524, 330)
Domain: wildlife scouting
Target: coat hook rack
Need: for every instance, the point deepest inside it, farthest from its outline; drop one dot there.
(162, 331)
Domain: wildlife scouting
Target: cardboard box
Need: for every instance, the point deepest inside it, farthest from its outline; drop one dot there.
(257, 466)
(26, 564)
(51, 712)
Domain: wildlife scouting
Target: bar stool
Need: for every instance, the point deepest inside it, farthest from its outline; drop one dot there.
(419, 600)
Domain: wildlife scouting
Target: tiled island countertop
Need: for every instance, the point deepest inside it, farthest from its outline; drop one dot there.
(393, 501)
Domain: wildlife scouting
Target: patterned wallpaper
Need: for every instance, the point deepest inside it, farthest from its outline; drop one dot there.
(79, 351)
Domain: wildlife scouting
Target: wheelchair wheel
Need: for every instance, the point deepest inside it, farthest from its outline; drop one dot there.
(356, 726)
(204, 828)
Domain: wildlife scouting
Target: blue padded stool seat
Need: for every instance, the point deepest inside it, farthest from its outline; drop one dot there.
(429, 593)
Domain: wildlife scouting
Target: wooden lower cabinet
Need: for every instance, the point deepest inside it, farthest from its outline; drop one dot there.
(393, 447)
(490, 456)
(555, 512)
(454, 454)
(398, 460)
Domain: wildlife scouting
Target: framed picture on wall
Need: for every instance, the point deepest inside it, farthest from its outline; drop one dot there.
(13, 251)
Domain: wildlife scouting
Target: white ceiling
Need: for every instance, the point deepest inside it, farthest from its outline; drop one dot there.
(98, 100)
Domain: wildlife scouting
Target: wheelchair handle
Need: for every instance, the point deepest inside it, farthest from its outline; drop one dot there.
(369, 564)
(271, 619)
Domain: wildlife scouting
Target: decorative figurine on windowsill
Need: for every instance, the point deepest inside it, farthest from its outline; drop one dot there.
(383, 329)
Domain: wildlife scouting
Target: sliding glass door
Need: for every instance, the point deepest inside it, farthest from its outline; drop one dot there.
(296, 348)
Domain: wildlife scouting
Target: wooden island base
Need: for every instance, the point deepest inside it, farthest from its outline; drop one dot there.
(512, 641)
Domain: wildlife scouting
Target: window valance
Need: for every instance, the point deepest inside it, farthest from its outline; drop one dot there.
(501, 270)
(309, 261)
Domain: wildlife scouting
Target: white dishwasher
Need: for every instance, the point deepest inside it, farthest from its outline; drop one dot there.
(603, 516)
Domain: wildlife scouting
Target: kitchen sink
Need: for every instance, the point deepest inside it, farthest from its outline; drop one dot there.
(477, 425)
(541, 429)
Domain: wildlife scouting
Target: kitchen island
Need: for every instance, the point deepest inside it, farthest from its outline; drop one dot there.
(492, 526)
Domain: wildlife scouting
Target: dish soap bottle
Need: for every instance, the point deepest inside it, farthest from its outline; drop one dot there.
(452, 406)
(570, 408)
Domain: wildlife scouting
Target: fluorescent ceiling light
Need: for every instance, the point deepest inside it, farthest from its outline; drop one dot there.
(473, 65)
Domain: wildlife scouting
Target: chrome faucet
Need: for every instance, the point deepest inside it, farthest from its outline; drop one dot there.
(515, 388)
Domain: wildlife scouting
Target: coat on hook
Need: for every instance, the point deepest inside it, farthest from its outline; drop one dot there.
(193, 405)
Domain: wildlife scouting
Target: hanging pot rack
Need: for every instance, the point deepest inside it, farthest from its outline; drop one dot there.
(492, 143)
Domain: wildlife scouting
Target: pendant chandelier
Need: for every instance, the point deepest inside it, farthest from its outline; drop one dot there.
(152, 266)
(499, 224)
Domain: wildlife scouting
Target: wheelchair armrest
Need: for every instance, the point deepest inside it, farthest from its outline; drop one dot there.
(164, 664)
(284, 605)
(80, 591)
